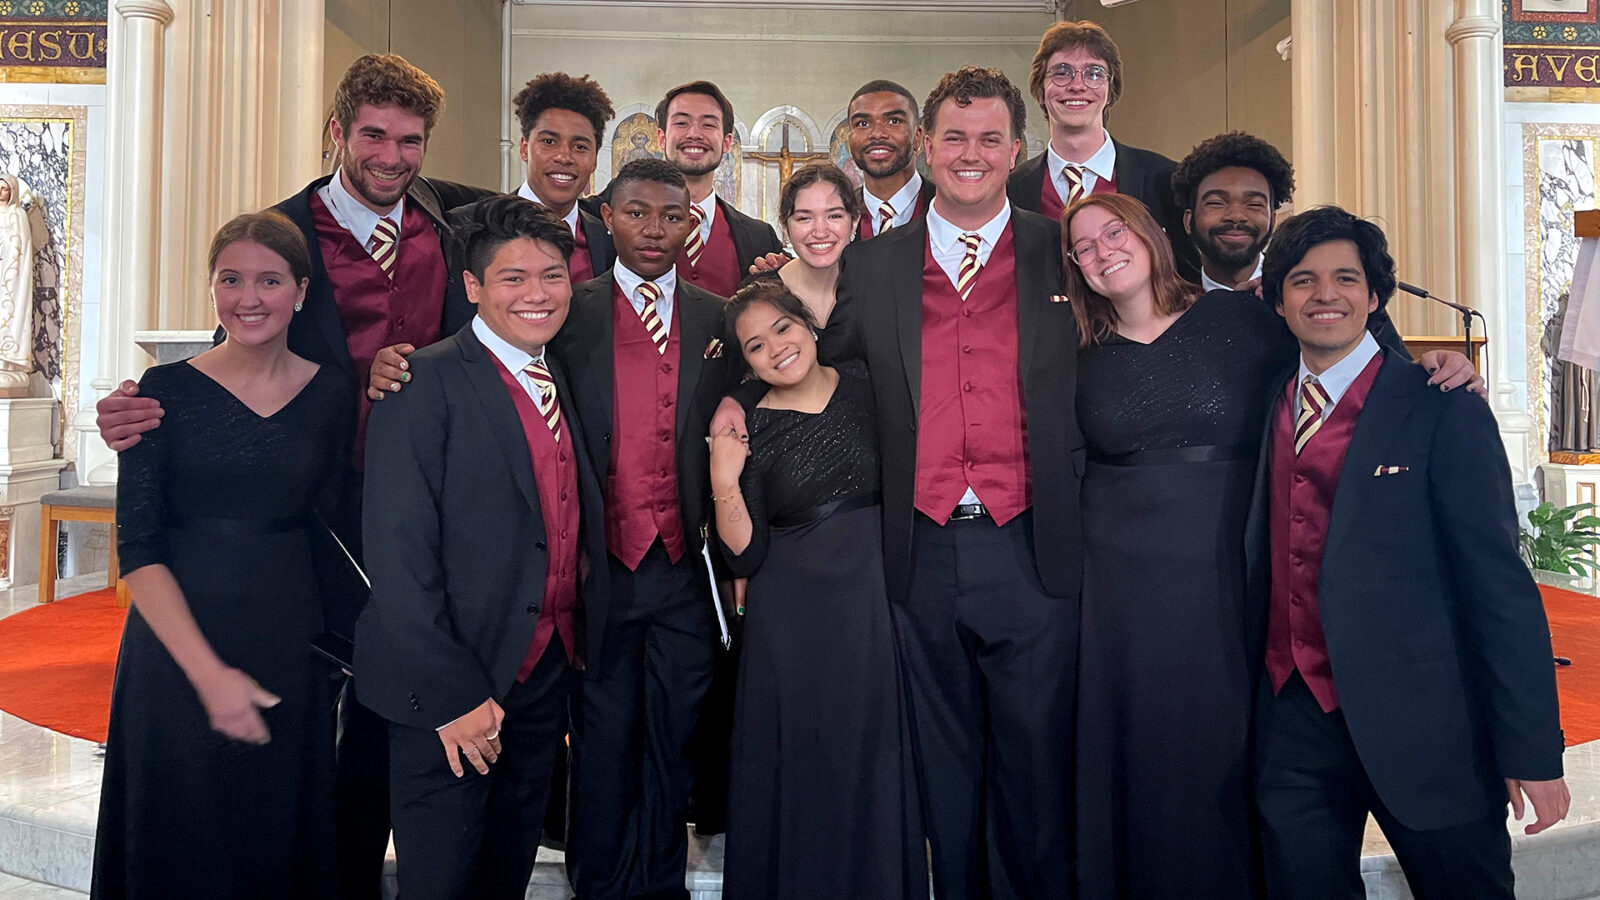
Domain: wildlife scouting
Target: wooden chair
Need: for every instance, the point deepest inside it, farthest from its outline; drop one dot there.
(79, 504)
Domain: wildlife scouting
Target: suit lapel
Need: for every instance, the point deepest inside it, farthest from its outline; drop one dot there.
(741, 236)
(1130, 178)
(910, 249)
(695, 314)
(591, 350)
(320, 303)
(602, 253)
(1256, 520)
(1386, 409)
(499, 409)
(1029, 243)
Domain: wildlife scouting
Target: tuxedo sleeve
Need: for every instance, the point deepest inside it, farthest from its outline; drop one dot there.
(1507, 654)
(410, 666)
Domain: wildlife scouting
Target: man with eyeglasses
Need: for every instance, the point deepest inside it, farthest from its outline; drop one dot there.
(1076, 77)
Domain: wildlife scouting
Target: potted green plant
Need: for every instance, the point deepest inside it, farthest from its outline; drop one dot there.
(1558, 540)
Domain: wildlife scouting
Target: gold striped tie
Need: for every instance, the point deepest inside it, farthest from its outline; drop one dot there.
(1313, 400)
(970, 267)
(385, 245)
(547, 403)
(694, 245)
(885, 217)
(1073, 173)
(652, 321)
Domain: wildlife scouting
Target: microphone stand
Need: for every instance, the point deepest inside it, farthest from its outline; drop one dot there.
(1466, 312)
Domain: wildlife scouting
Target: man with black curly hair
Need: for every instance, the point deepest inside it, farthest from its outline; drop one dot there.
(563, 121)
(1229, 188)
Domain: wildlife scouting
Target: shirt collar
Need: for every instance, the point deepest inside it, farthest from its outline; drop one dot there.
(571, 218)
(1339, 376)
(1103, 162)
(515, 359)
(708, 213)
(903, 199)
(944, 235)
(1209, 284)
(354, 215)
(629, 281)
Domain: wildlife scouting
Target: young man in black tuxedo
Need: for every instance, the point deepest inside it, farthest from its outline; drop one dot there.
(484, 521)
(563, 123)
(648, 368)
(380, 286)
(1406, 654)
(885, 133)
(1076, 78)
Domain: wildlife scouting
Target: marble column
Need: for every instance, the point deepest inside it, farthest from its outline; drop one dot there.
(1313, 70)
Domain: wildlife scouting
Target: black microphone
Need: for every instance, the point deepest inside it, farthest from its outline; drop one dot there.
(1421, 292)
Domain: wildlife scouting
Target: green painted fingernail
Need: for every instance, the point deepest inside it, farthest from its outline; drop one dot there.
(405, 376)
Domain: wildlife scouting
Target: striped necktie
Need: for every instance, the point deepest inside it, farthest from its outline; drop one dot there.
(1073, 173)
(885, 217)
(652, 320)
(1313, 400)
(385, 245)
(546, 401)
(694, 245)
(970, 267)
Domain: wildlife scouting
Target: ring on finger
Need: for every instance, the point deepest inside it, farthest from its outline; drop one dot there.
(492, 737)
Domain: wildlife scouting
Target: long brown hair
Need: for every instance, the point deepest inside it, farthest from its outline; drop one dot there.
(1097, 318)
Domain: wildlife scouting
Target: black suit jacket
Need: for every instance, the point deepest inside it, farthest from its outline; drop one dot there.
(585, 346)
(316, 332)
(602, 250)
(878, 318)
(1142, 174)
(1436, 631)
(456, 540)
(924, 200)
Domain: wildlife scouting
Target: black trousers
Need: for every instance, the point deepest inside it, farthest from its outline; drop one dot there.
(360, 798)
(1313, 796)
(631, 774)
(990, 661)
(476, 837)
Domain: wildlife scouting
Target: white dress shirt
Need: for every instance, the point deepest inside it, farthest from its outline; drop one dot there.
(1102, 164)
(1339, 376)
(571, 218)
(515, 359)
(353, 215)
(629, 282)
(904, 202)
(945, 240)
(1207, 284)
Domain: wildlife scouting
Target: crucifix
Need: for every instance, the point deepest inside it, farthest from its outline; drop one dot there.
(785, 158)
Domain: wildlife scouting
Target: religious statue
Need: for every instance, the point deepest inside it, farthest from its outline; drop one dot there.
(16, 290)
(1574, 390)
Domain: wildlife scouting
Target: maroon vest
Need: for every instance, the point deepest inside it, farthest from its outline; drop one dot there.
(555, 474)
(972, 429)
(378, 311)
(719, 270)
(1303, 488)
(1050, 200)
(642, 481)
(580, 268)
(868, 226)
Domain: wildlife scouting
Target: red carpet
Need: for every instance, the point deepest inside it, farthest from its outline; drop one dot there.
(57, 661)
(1575, 634)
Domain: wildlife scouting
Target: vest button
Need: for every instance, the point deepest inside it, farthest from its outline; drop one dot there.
(967, 387)
(539, 545)
(966, 349)
(1299, 644)
(1299, 479)
(666, 402)
(563, 495)
(665, 436)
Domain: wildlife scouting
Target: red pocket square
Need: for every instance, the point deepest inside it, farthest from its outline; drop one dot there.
(714, 349)
(1390, 470)
(1060, 298)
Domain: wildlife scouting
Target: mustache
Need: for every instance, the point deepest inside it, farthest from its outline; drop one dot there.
(1250, 230)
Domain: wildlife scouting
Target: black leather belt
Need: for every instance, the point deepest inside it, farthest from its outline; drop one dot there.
(965, 511)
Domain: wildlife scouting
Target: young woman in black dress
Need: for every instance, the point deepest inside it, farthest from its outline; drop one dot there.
(218, 779)
(821, 798)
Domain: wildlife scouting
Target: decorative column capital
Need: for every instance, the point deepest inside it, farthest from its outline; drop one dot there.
(145, 9)
(1469, 27)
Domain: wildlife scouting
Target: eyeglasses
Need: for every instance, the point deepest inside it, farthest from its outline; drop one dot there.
(1062, 74)
(1114, 237)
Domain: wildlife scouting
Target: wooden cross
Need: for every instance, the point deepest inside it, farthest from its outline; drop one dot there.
(785, 158)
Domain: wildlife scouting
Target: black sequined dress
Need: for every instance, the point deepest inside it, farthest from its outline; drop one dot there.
(223, 497)
(1164, 693)
(821, 799)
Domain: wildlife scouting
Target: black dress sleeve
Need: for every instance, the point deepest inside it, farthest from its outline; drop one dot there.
(142, 486)
(744, 565)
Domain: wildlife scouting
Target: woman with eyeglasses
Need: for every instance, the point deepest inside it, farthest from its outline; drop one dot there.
(1171, 399)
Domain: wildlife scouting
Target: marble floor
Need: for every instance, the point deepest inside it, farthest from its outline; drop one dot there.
(50, 783)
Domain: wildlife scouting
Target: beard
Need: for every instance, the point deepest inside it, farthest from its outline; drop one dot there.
(374, 193)
(704, 166)
(1229, 257)
(893, 164)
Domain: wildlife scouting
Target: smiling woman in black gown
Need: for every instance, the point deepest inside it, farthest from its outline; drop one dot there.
(219, 760)
(821, 799)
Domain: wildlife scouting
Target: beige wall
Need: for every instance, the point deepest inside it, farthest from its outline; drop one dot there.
(1195, 68)
(460, 48)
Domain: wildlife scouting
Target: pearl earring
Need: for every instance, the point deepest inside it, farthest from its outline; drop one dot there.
(298, 305)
